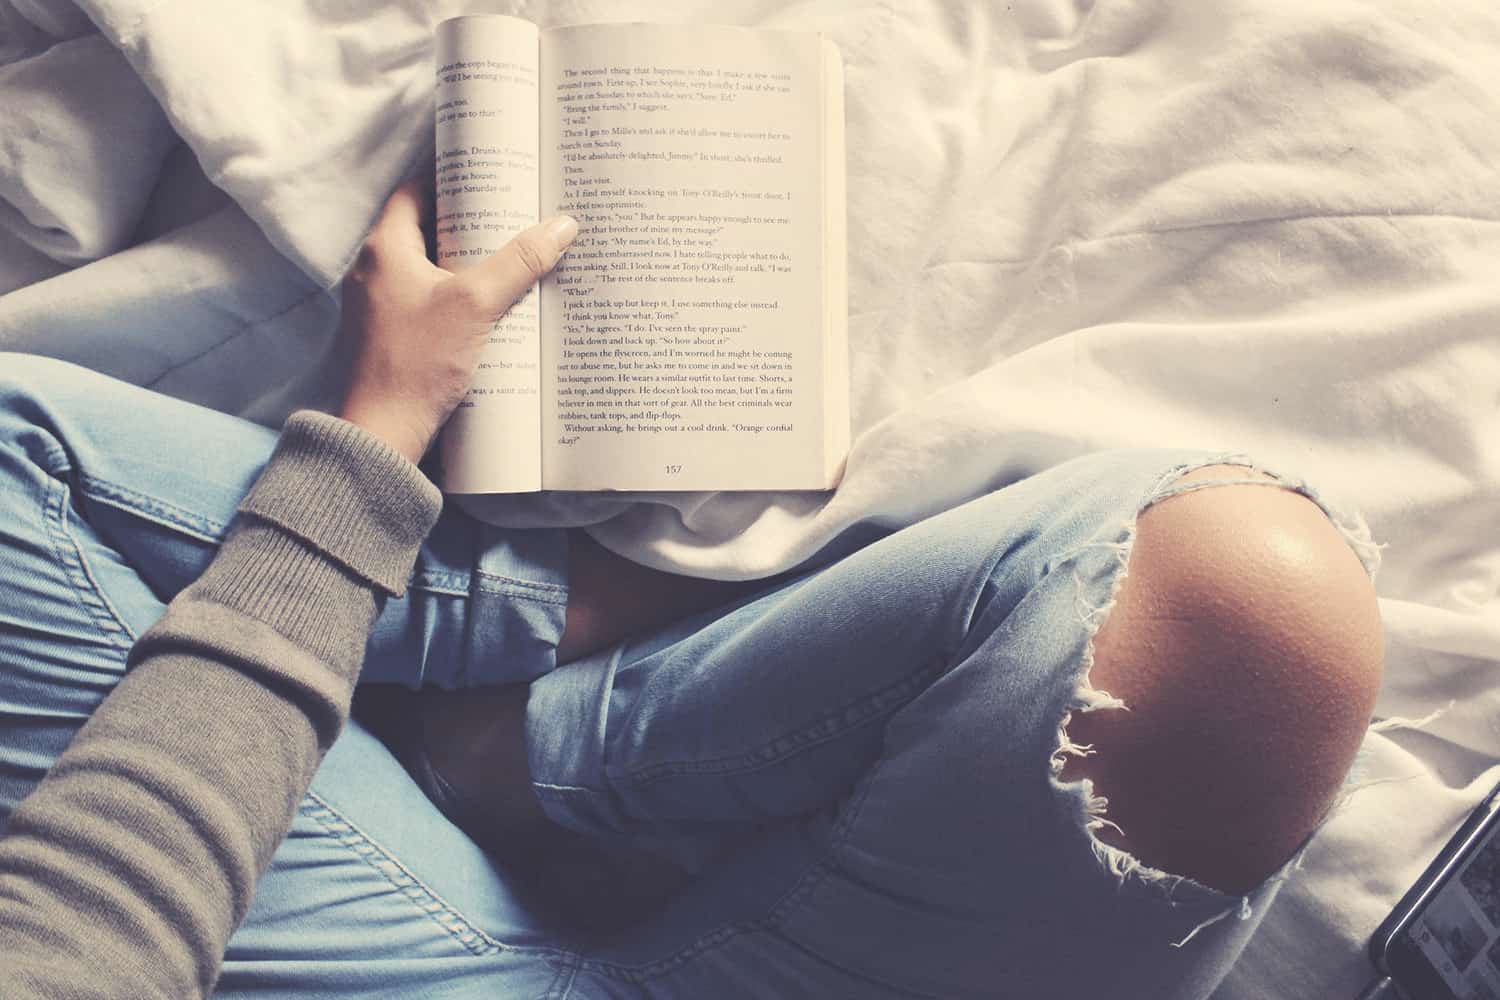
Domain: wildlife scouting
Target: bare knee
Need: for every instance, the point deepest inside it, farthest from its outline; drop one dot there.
(1246, 642)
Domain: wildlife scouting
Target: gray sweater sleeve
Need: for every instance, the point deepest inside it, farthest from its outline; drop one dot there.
(124, 873)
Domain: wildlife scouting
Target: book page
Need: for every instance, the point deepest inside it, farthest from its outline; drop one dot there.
(682, 336)
(487, 191)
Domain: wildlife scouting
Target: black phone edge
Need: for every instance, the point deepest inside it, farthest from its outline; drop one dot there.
(1383, 942)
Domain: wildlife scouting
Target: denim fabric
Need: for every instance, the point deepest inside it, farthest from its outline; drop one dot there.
(858, 764)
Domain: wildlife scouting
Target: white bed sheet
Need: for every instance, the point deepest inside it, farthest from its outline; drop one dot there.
(1266, 226)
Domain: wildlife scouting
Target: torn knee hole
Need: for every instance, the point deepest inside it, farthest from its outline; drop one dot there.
(1071, 765)
(1244, 636)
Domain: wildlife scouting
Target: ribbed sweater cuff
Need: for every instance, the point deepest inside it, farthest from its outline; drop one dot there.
(350, 495)
(274, 578)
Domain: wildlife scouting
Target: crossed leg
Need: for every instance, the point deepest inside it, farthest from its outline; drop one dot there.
(1245, 641)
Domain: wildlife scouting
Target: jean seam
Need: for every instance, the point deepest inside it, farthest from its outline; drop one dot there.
(567, 974)
(829, 726)
(151, 508)
(441, 582)
(720, 936)
(422, 896)
(492, 583)
(715, 938)
(84, 586)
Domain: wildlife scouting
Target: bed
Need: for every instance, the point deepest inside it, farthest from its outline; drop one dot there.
(1268, 226)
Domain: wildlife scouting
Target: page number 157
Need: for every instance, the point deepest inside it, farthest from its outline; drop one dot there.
(672, 470)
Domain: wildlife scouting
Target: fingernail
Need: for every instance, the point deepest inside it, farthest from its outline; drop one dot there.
(562, 230)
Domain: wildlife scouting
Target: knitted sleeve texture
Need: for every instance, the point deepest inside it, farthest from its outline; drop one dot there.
(126, 870)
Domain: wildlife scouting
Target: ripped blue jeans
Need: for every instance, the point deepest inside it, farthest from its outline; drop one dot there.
(858, 764)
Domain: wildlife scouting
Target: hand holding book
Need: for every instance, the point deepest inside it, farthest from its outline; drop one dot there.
(415, 331)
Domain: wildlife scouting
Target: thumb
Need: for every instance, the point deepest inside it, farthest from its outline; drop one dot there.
(498, 281)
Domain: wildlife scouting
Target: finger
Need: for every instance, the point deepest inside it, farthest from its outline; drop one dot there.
(397, 237)
(404, 208)
(495, 283)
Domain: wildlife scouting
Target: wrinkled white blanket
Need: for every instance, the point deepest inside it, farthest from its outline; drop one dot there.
(1260, 225)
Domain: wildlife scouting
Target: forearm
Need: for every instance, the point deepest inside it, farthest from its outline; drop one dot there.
(128, 868)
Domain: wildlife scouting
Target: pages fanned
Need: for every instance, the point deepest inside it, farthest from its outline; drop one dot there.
(695, 335)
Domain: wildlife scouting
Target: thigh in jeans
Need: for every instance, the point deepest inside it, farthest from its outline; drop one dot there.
(114, 498)
(884, 826)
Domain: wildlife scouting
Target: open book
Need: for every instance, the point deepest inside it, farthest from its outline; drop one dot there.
(694, 337)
